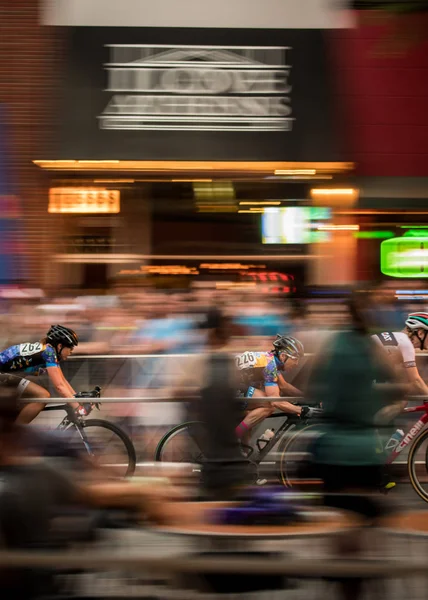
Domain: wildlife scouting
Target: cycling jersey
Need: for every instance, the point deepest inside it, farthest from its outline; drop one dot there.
(258, 369)
(32, 358)
(399, 347)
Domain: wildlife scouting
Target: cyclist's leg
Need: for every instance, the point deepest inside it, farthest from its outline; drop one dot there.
(31, 410)
(256, 415)
(25, 389)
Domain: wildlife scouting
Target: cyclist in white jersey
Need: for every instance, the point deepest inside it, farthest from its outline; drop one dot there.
(400, 347)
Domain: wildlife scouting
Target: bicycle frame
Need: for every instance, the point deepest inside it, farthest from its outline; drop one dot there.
(413, 431)
(290, 420)
(69, 420)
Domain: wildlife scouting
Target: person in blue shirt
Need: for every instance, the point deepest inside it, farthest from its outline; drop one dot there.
(37, 358)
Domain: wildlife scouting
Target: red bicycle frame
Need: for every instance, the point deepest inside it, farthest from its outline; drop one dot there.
(413, 431)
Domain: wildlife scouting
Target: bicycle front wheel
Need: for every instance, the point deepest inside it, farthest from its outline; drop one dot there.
(108, 443)
(295, 458)
(417, 465)
(182, 444)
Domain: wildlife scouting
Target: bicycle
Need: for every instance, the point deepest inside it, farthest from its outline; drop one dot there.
(416, 437)
(91, 432)
(189, 432)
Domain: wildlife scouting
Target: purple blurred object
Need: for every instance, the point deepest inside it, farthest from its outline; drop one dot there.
(268, 506)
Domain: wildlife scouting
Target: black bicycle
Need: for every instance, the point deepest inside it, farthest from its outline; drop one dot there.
(180, 444)
(106, 442)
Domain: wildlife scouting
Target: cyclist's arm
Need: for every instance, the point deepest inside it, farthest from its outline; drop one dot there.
(60, 383)
(274, 390)
(56, 375)
(287, 388)
(418, 387)
(417, 384)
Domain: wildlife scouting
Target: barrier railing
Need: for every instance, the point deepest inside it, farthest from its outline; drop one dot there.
(169, 399)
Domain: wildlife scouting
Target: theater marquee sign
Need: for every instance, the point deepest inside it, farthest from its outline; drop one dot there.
(198, 88)
(197, 94)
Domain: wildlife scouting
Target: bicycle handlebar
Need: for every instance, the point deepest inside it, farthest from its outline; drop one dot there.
(95, 393)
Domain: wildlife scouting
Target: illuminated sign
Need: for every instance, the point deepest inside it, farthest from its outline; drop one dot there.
(373, 235)
(229, 266)
(295, 225)
(338, 228)
(82, 201)
(215, 196)
(198, 88)
(161, 270)
(265, 277)
(406, 256)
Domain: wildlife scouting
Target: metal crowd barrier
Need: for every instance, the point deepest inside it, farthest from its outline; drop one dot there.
(148, 399)
(169, 399)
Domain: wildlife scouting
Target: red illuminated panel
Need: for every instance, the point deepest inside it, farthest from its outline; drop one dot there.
(269, 277)
(381, 72)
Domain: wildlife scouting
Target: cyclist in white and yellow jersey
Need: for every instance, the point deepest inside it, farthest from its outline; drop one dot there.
(261, 375)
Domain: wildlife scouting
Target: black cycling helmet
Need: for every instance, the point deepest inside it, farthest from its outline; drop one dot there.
(289, 345)
(58, 334)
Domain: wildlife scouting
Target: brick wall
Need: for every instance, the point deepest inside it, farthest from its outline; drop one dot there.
(30, 71)
(381, 83)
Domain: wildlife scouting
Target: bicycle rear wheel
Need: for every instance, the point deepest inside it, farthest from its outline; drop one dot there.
(294, 462)
(417, 465)
(109, 444)
(180, 444)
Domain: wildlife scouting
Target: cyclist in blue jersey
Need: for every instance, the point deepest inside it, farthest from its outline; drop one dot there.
(36, 358)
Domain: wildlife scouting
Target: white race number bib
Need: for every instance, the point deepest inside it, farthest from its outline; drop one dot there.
(28, 348)
(246, 360)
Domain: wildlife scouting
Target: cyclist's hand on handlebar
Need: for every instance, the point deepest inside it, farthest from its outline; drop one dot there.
(309, 412)
(95, 393)
(83, 410)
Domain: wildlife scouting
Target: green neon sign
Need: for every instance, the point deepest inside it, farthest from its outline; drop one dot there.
(373, 235)
(405, 256)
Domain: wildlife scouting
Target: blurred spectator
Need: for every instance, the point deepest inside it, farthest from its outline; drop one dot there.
(33, 493)
(385, 312)
(262, 317)
(347, 452)
(212, 376)
(166, 328)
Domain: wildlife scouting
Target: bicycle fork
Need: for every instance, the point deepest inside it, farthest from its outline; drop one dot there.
(84, 440)
(71, 421)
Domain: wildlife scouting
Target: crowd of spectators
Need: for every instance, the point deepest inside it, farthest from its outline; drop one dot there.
(138, 321)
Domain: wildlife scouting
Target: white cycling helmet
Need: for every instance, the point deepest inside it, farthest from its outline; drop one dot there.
(417, 321)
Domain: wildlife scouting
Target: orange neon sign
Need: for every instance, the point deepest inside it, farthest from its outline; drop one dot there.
(75, 200)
